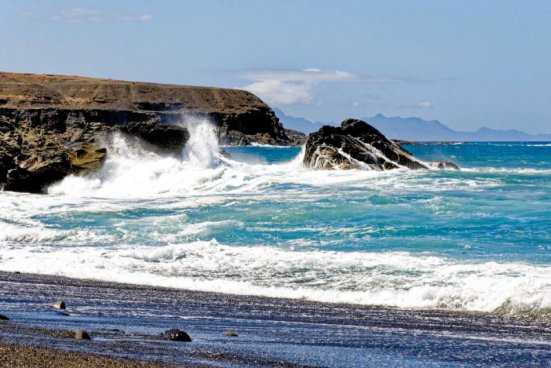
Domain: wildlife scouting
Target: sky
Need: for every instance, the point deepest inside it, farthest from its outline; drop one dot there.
(466, 63)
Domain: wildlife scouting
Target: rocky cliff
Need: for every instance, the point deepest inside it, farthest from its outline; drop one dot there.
(49, 124)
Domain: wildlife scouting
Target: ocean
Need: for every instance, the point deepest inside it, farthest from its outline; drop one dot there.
(254, 221)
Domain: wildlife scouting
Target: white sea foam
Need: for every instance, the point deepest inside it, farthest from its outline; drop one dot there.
(132, 172)
(509, 170)
(38, 233)
(391, 278)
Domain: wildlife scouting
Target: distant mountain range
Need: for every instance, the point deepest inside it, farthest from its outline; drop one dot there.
(417, 129)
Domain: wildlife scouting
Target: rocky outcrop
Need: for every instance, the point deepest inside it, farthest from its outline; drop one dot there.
(444, 165)
(52, 126)
(357, 145)
(297, 138)
(170, 138)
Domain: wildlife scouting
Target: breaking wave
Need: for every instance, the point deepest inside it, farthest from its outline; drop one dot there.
(397, 279)
(245, 223)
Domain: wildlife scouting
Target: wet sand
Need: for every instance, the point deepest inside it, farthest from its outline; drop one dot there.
(124, 321)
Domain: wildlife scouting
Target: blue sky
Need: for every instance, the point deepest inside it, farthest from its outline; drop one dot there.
(466, 63)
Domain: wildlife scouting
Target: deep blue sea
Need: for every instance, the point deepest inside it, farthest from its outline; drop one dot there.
(259, 223)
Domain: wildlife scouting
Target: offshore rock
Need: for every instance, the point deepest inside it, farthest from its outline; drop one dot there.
(444, 165)
(52, 126)
(356, 145)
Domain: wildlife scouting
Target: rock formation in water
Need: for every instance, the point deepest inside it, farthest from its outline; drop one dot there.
(50, 125)
(358, 145)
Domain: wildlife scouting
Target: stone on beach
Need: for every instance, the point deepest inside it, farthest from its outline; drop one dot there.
(175, 335)
(3, 318)
(60, 304)
(82, 335)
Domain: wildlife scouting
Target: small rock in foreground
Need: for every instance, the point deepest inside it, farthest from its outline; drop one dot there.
(175, 335)
(60, 304)
(82, 335)
(230, 333)
(3, 318)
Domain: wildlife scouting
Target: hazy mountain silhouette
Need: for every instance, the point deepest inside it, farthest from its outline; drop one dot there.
(417, 129)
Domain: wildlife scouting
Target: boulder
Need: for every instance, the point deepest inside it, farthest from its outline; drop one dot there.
(3, 318)
(82, 335)
(60, 304)
(356, 145)
(175, 335)
(37, 169)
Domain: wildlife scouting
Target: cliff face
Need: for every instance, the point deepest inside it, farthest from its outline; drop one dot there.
(49, 124)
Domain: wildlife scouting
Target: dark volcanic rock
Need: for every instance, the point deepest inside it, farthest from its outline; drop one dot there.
(175, 335)
(51, 126)
(168, 137)
(444, 165)
(356, 144)
(34, 170)
(82, 335)
(3, 318)
(296, 137)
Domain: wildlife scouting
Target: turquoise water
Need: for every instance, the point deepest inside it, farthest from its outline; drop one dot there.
(498, 207)
(260, 223)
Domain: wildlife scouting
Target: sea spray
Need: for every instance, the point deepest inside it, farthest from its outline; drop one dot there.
(132, 170)
(202, 149)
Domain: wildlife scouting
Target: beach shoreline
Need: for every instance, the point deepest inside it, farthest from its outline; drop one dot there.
(125, 318)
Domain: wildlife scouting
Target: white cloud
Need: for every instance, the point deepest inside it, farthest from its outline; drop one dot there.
(425, 105)
(289, 87)
(89, 15)
(141, 18)
(78, 15)
(281, 92)
(145, 17)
